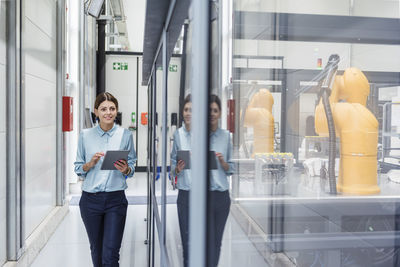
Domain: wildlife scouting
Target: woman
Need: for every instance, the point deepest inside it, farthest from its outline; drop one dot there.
(182, 139)
(219, 200)
(103, 204)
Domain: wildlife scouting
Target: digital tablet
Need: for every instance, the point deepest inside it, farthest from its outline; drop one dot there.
(112, 156)
(185, 156)
(212, 160)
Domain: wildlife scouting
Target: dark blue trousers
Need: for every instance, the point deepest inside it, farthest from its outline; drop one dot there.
(104, 217)
(217, 215)
(183, 217)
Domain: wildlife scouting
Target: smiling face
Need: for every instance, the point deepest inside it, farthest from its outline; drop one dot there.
(107, 112)
(187, 113)
(215, 114)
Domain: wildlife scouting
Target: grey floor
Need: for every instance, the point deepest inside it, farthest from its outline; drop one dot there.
(69, 246)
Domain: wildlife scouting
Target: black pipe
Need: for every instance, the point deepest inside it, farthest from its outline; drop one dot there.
(332, 142)
(101, 57)
(330, 69)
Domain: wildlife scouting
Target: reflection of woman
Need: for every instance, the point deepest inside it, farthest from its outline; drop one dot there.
(182, 139)
(103, 204)
(219, 200)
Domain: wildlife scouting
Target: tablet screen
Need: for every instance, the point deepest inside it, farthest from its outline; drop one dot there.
(111, 157)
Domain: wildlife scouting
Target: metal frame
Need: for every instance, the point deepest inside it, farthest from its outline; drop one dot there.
(23, 124)
(200, 91)
(154, 156)
(60, 178)
(15, 237)
(162, 231)
(82, 51)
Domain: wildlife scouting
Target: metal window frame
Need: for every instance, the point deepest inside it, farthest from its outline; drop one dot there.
(60, 50)
(200, 94)
(14, 220)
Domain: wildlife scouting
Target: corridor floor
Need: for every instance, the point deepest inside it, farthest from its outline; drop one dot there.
(69, 245)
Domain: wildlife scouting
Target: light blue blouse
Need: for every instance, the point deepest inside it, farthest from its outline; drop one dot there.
(95, 140)
(182, 139)
(220, 141)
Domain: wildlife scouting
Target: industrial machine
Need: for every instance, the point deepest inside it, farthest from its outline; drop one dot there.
(259, 116)
(346, 114)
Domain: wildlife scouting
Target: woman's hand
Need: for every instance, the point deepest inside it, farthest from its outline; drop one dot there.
(222, 161)
(96, 157)
(180, 166)
(122, 166)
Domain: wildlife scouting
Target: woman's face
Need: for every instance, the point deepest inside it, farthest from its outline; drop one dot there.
(215, 114)
(106, 112)
(187, 113)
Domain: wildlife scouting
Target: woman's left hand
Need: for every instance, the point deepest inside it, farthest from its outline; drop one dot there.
(122, 166)
(222, 161)
(220, 157)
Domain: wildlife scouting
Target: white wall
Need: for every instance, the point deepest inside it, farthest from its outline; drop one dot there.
(324, 7)
(122, 85)
(90, 61)
(369, 8)
(304, 55)
(3, 230)
(135, 11)
(39, 59)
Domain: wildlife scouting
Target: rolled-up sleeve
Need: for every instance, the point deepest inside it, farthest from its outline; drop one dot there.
(174, 154)
(80, 157)
(231, 164)
(131, 156)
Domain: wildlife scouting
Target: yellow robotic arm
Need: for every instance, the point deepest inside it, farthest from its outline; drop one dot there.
(259, 116)
(357, 128)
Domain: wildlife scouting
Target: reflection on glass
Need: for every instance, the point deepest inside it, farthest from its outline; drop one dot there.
(180, 171)
(316, 142)
(218, 196)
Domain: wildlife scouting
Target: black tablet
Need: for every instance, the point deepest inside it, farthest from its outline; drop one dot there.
(111, 157)
(185, 156)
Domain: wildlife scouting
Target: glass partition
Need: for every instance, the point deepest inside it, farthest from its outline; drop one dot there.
(3, 168)
(314, 97)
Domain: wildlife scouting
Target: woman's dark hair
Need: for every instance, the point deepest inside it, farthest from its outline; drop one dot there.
(215, 99)
(188, 99)
(105, 97)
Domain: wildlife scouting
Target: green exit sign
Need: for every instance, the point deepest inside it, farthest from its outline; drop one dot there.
(172, 68)
(120, 66)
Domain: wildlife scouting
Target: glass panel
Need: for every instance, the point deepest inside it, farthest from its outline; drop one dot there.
(38, 58)
(311, 189)
(181, 150)
(3, 167)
